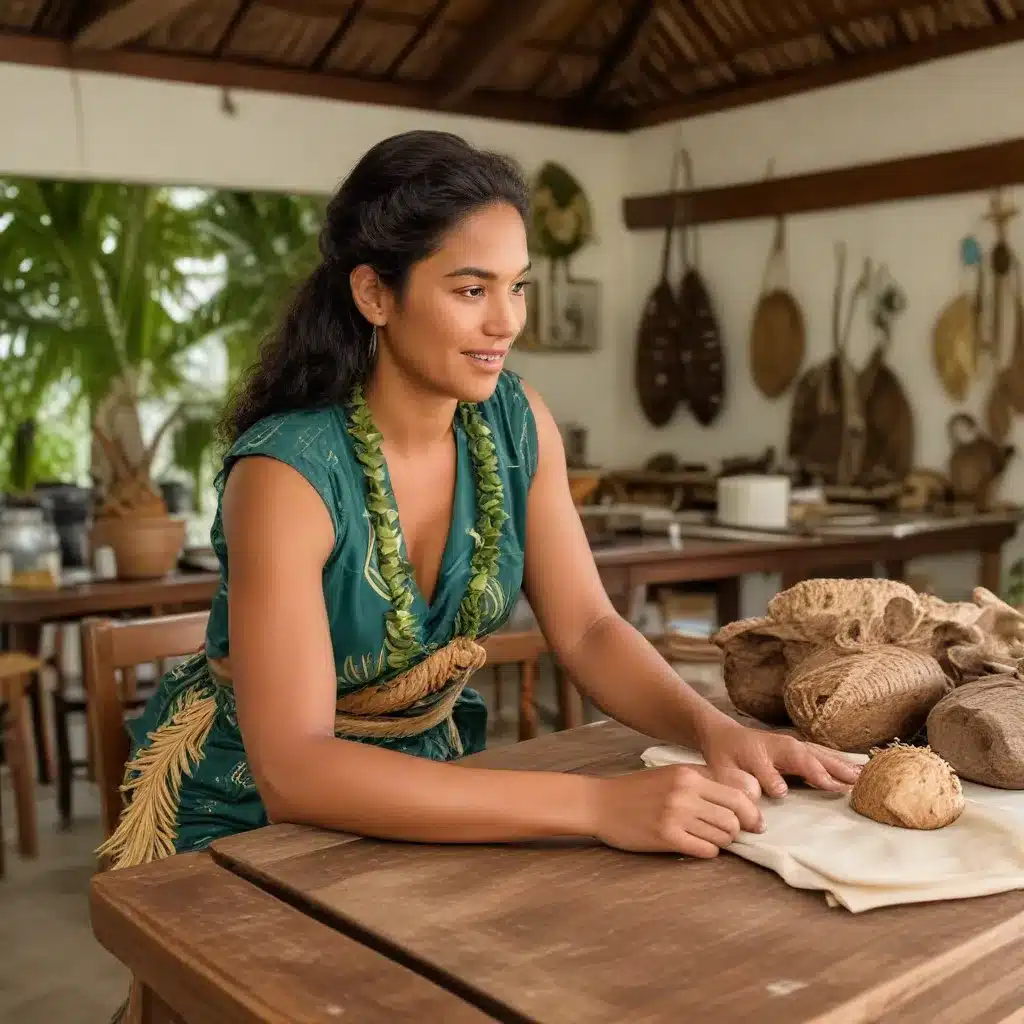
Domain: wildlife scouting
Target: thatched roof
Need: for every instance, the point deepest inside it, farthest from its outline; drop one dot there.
(597, 63)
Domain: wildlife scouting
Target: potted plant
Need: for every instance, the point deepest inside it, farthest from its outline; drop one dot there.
(109, 290)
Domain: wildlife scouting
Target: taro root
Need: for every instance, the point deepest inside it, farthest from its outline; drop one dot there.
(908, 787)
(857, 700)
(754, 670)
(979, 730)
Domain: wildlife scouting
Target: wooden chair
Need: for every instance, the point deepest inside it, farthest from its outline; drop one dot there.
(17, 674)
(113, 650)
(523, 648)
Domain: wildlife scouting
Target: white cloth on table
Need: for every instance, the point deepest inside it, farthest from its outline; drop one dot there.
(815, 840)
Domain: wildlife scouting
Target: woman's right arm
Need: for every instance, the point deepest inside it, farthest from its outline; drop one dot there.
(279, 536)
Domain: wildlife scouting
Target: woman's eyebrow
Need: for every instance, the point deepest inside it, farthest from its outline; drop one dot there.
(484, 275)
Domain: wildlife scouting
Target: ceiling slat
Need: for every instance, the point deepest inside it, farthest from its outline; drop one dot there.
(615, 56)
(505, 26)
(878, 62)
(129, 22)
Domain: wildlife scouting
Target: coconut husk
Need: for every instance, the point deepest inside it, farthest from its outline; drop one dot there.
(908, 787)
(979, 730)
(754, 669)
(858, 700)
(860, 599)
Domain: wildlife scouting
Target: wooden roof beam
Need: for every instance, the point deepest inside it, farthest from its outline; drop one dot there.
(128, 22)
(19, 48)
(622, 46)
(505, 26)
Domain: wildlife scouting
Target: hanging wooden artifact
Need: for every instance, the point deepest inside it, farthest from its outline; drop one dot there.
(658, 367)
(956, 340)
(702, 356)
(777, 333)
(1014, 371)
(977, 462)
(1002, 259)
(888, 419)
(826, 429)
(561, 222)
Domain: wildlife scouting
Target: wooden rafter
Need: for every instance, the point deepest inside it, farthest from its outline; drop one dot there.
(242, 9)
(18, 48)
(429, 23)
(505, 26)
(129, 21)
(335, 39)
(617, 53)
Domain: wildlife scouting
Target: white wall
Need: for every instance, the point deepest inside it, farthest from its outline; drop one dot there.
(155, 131)
(939, 106)
(140, 130)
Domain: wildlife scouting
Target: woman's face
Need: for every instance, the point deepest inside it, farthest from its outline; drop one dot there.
(462, 307)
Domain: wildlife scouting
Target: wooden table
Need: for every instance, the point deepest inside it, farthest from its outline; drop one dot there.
(553, 932)
(627, 566)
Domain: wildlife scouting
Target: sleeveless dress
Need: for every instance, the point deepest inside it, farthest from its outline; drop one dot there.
(188, 782)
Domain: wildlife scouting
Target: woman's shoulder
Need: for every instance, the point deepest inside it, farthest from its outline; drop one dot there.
(311, 441)
(300, 432)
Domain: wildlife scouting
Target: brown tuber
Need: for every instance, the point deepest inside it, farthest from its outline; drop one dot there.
(909, 787)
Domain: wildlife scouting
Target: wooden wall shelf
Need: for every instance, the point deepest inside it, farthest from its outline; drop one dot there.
(978, 169)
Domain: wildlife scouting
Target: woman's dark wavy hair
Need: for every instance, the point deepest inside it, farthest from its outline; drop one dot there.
(391, 212)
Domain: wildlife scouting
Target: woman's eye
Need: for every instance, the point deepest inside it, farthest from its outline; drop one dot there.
(473, 291)
(517, 289)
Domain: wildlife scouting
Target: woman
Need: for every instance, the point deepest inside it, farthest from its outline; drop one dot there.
(388, 490)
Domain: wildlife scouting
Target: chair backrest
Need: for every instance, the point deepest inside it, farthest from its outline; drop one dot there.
(123, 644)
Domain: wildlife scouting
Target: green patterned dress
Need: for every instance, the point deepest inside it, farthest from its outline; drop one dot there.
(188, 781)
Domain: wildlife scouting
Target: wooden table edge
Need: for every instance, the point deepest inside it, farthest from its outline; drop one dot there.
(213, 995)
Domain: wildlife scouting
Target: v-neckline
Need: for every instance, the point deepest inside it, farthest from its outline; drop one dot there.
(428, 607)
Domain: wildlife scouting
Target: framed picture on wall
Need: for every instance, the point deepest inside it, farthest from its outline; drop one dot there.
(562, 314)
(530, 337)
(577, 308)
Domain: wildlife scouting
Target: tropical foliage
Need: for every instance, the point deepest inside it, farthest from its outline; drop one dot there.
(112, 287)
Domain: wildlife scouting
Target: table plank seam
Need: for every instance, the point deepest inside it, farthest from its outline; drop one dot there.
(490, 1005)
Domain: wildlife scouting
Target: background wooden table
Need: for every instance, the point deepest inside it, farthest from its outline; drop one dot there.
(573, 931)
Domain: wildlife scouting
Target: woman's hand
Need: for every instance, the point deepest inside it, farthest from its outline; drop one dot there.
(677, 808)
(728, 746)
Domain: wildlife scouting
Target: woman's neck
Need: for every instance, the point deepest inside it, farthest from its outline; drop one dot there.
(410, 417)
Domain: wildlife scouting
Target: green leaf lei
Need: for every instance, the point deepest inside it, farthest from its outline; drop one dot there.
(403, 640)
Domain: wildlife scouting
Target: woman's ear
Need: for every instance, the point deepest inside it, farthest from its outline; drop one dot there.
(369, 294)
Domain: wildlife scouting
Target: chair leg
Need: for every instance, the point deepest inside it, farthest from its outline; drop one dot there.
(65, 766)
(18, 761)
(527, 700)
(28, 638)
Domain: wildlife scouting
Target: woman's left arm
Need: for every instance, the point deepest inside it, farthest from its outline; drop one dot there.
(615, 665)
